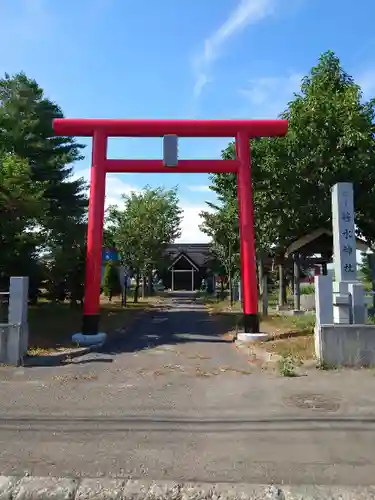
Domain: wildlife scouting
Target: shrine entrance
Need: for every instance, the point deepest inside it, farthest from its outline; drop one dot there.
(170, 131)
(185, 274)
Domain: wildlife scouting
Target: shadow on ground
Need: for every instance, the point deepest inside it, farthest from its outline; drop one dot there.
(181, 319)
(184, 319)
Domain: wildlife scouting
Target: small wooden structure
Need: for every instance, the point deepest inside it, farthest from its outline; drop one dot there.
(305, 252)
(188, 265)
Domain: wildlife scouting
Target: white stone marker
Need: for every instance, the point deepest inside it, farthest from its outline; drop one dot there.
(18, 306)
(344, 244)
(323, 299)
(358, 307)
(323, 308)
(344, 249)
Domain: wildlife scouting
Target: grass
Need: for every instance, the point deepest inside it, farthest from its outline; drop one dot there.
(52, 325)
(291, 337)
(287, 366)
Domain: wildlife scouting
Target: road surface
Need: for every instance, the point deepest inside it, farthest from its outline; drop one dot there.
(174, 400)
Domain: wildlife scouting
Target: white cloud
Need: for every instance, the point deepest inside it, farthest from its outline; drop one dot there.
(268, 96)
(190, 224)
(115, 187)
(271, 94)
(199, 188)
(246, 12)
(366, 80)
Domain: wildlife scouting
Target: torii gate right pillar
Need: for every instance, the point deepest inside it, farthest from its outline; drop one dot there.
(249, 288)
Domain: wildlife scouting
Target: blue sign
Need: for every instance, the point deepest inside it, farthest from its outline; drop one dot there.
(109, 254)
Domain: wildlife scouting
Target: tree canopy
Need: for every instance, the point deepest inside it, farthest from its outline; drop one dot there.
(43, 209)
(330, 139)
(40, 205)
(144, 226)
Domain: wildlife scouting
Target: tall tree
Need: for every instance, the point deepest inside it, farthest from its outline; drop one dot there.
(65, 264)
(330, 139)
(143, 227)
(222, 227)
(36, 185)
(26, 117)
(21, 204)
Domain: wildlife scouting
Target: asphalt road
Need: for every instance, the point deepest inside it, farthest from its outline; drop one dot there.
(175, 400)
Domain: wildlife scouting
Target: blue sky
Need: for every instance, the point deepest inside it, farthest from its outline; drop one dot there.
(179, 59)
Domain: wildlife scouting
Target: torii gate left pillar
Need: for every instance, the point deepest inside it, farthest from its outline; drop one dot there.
(100, 130)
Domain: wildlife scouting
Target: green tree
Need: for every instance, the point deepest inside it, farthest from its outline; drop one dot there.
(21, 204)
(65, 264)
(111, 280)
(222, 227)
(26, 118)
(53, 205)
(330, 139)
(364, 268)
(143, 227)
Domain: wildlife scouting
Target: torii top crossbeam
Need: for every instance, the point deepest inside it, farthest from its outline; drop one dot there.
(86, 127)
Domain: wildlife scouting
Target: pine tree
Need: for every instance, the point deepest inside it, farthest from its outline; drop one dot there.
(26, 118)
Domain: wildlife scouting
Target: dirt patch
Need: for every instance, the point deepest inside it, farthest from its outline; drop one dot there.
(290, 336)
(298, 347)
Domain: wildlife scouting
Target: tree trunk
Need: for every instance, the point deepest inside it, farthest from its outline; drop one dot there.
(282, 287)
(136, 289)
(260, 281)
(230, 275)
(150, 284)
(230, 281)
(296, 282)
(222, 293)
(265, 295)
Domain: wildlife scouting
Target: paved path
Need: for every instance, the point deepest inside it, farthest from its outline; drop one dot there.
(174, 400)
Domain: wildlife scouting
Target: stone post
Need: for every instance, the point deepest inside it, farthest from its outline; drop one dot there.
(323, 308)
(18, 339)
(358, 306)
(323, 299)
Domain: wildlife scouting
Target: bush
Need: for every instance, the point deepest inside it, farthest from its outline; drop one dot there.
(307, 290)
(111, 280)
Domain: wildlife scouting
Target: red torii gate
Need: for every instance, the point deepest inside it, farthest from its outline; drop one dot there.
(100, 130)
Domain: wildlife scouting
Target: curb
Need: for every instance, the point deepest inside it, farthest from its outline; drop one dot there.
(55, 488)
(54, 359)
